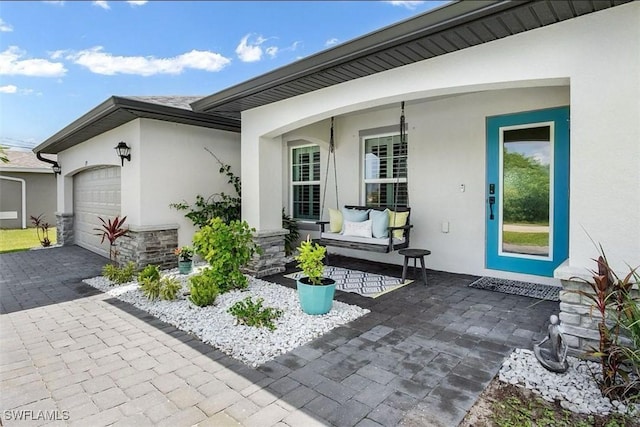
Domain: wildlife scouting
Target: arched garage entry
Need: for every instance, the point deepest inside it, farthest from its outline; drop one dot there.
(96, 193)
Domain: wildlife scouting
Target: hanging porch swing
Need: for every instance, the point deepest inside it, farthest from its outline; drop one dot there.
(379, 235)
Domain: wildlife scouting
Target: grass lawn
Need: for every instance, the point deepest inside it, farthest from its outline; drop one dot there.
(19, 240)
(525, 239)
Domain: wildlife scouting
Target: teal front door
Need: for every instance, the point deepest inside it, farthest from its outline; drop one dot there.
(528, 191)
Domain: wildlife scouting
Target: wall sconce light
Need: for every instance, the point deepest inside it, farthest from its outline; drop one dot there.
(57, 169)
(124, 151)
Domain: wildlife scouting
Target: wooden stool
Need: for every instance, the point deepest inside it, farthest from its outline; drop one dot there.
(415, 254)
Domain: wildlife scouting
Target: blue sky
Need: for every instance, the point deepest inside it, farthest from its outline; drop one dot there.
(59, 59)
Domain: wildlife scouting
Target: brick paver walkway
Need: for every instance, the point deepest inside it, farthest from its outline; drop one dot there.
(421, 357)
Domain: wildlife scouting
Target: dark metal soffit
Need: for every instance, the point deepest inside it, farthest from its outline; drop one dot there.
(117, 111)
(450, 28)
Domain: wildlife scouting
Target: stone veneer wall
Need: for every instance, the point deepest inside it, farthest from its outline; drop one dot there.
(272, 260)
(149, 245)
(579, 317)
(64, 229)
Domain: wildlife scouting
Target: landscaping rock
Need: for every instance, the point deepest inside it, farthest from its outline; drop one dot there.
(215, 326)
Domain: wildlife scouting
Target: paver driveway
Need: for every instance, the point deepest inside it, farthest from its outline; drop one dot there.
(421, 357)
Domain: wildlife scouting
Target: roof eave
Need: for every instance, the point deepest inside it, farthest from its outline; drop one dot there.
(394, 34)
(133, 109)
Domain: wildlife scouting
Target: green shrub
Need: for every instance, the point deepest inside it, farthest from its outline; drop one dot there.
(252, 313)
(169, 288)
(119, 275)
(310, 260)
(150, 288)
(150, 271)
(203, 288)
(227, 248)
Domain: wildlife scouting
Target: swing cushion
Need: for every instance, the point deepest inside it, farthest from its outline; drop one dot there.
(398, 219)
(357, 229)
(335, 220)
(355, 215)
(380, 223)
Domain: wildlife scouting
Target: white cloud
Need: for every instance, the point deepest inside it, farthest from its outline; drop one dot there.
(8, 89)
(137, 2)
(408, 4)
(331, 42)
(4, 27)
(100, 62)
(14, 89)
(103, 4)
(250, 51)
(12, 64)
(272, 51)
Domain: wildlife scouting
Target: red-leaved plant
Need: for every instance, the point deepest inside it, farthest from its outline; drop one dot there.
(617, 310)
(41, 226)
(112, 230)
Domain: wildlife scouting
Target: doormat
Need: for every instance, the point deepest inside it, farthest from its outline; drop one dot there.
(514, 287)
(366, 284)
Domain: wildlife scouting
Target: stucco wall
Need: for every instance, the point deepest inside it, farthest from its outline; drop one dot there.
(168, 164)
(41, 197)
(175, 167)
(604, 92)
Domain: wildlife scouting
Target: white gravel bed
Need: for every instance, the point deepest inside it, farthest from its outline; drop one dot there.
(213, 325)
(576, 389)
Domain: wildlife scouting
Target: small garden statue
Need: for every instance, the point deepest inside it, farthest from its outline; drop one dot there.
(555, 358)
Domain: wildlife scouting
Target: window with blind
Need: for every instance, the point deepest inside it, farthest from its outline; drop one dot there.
(305, 182)
(385, 170)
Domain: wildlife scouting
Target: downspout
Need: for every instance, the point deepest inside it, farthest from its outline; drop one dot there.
(24, 197)
(43, 159)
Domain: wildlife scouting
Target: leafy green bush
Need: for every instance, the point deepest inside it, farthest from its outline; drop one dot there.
(310, 260)
(252, 313)
(203, 288)
(119, 275)
(150, 271)
(169, 288)
(227, 248)
(150, 287)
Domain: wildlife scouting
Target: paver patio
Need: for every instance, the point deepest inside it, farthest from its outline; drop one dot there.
(421, 357)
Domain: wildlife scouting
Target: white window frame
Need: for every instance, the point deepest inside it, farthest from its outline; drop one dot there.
(293, 183)
(364, 179)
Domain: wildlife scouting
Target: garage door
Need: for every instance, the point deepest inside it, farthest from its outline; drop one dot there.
(96, 193)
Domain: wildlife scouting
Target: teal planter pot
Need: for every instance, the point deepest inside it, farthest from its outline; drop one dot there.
(316, 299)
(185, 267)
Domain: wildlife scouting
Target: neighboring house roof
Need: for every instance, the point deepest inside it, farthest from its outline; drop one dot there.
(119, 110)
(452, 27)
(25, 161)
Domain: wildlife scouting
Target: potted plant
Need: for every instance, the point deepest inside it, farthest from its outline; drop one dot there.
(185, 261)
(314, 291)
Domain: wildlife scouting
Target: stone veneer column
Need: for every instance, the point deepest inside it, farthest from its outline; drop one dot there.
(64, 229)
(149, 245)
(272, 259)
(579, 317)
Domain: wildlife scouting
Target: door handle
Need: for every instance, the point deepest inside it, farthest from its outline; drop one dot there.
(492, 201)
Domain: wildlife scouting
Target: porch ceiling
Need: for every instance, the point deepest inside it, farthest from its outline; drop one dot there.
(453, 27)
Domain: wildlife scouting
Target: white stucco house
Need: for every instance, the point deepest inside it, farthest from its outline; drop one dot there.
(169, 163)
(494, 92)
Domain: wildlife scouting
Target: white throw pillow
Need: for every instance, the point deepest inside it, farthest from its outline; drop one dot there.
(357, 229)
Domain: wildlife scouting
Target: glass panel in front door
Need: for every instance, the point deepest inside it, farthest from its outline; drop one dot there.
(526, 172)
